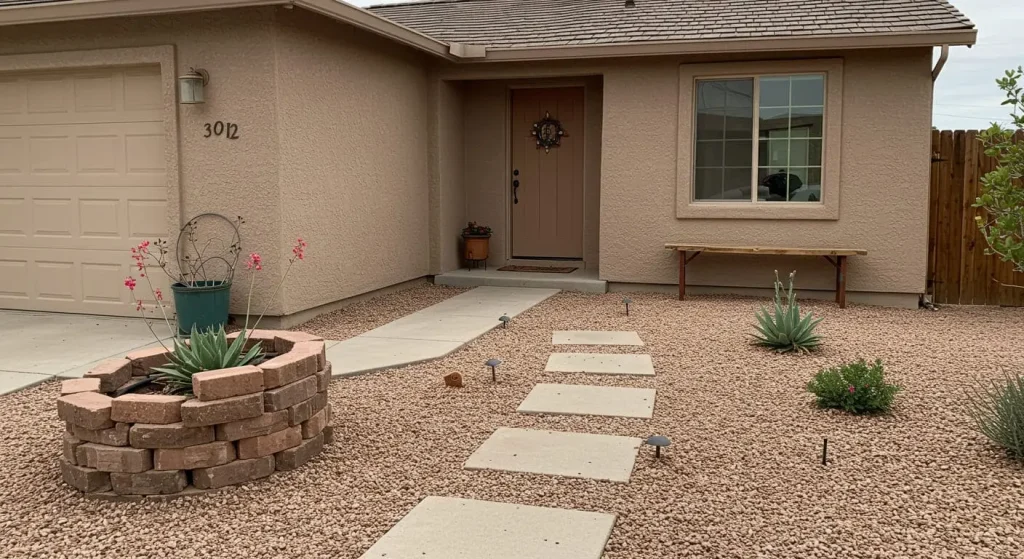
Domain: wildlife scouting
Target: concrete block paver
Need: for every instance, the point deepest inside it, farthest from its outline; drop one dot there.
(557, 453)
(601, 363)
(575, 399)
(363, 355)
(432, 332)
(595, 337)
(452, 528)
(11, 381)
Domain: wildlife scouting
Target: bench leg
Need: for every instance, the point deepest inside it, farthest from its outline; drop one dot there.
(841, 281)
(682, 275)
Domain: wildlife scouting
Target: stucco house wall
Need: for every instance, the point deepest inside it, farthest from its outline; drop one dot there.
(353, 118)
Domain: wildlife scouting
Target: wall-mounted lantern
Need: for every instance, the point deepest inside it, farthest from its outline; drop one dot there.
(190, 86)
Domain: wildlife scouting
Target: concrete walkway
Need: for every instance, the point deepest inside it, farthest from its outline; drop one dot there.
(434, 331)
(36, 347)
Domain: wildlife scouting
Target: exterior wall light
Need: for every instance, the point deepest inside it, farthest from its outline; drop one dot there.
(190, 86)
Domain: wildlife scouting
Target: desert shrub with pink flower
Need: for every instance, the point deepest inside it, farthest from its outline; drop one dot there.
(209, 349)
(855, 387)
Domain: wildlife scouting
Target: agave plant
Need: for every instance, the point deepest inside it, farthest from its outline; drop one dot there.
(786, 330)
(205, 351)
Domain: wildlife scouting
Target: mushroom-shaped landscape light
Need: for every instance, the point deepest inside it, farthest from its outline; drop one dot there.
(504, 320)
(493, 364)
(626, 301)
(658, 441)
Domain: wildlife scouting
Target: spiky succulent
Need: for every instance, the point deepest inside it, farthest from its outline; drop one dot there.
(785, 330)
(205, 351)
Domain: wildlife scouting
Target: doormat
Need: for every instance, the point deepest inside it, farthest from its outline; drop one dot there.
(542, 269)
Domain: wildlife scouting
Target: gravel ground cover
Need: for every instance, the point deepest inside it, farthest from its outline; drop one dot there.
(742, 478)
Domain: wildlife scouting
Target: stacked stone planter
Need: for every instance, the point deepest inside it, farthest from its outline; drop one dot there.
(243, 423)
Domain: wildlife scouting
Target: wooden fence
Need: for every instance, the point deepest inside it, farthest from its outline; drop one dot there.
(959, 271)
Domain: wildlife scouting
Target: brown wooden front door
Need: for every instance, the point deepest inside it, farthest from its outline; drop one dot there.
(547, 205)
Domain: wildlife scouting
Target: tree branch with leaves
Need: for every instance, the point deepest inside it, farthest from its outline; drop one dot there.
(1002, 190)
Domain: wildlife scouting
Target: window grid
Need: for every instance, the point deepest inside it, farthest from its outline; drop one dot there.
(756, 139)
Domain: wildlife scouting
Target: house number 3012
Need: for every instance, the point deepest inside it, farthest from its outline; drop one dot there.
(228, 130)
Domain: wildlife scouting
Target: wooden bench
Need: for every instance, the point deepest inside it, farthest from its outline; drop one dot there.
(835, 256)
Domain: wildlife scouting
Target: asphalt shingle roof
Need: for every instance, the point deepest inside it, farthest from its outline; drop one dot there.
(542, 23)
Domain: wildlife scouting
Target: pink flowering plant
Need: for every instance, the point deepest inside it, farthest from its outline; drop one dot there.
(208, 350)
(855, 387)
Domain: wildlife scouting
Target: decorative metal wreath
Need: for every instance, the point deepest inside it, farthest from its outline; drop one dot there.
(548, 132)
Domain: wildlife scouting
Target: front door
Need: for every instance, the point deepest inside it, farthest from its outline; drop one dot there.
(547, 173)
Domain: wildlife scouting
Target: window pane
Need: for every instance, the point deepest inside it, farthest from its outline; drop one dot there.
(709, 154)
(774, 122)
(711, 94)
(775, 92)
(805, 184)
(808, 90)
(739, 124)
(774, 184)
(725, 128)
(737, 184)
(804, 153)
(773, 153)
(808, 118)
(740, 94)
(738, 153)
(710, 124)
(707, 184)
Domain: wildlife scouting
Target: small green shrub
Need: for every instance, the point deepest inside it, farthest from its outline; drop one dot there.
(855, 387)
(998, 413)
(786, 330)
(206, 351)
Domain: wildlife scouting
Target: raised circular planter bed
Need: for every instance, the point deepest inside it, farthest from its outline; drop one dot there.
(243, 423)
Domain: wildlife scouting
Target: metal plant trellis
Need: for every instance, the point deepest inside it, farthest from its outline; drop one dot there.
(207, 250)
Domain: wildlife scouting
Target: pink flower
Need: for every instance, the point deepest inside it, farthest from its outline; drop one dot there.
(254, 261)
(159, 294)
(852, 389)
(129, 282)
(299, 250)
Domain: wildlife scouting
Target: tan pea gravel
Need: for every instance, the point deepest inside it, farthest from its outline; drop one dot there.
(741, 479)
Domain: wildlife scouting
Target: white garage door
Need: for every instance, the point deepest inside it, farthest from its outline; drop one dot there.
(82, 179)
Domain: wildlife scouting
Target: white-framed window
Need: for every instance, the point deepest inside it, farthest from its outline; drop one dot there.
(759, 138)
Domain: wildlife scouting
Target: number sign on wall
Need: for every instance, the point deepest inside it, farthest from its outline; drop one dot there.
(220, 128)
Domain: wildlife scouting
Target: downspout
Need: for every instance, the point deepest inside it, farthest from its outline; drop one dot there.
(941, 63)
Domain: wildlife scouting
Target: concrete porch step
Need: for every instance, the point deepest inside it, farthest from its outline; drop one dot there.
(580, 280)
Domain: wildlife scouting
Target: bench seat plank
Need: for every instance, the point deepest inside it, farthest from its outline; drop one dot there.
(767, 250)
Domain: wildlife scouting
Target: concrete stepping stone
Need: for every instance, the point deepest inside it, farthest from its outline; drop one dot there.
(601, 363)
(595, 337)
(575, 399)
(452, 528)
(557, 453)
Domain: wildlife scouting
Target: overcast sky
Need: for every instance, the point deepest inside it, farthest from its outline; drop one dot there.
(966, 96)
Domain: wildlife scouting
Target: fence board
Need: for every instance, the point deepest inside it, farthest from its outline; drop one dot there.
(959, 271)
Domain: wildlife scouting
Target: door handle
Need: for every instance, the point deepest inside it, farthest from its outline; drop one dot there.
(515, 187)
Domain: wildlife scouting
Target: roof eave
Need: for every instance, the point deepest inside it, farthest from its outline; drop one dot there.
(93, 9)
(723, 46)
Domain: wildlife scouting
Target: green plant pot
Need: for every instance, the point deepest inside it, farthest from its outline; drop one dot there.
(204, 306)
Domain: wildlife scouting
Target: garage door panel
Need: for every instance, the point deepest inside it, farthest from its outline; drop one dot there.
(78, 217)
(86, 280)
(130, 154)
(82, 179)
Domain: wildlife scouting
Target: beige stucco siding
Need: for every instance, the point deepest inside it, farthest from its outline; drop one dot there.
(448, 158)
(233, 177)
(353, 121)
(883, 184)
